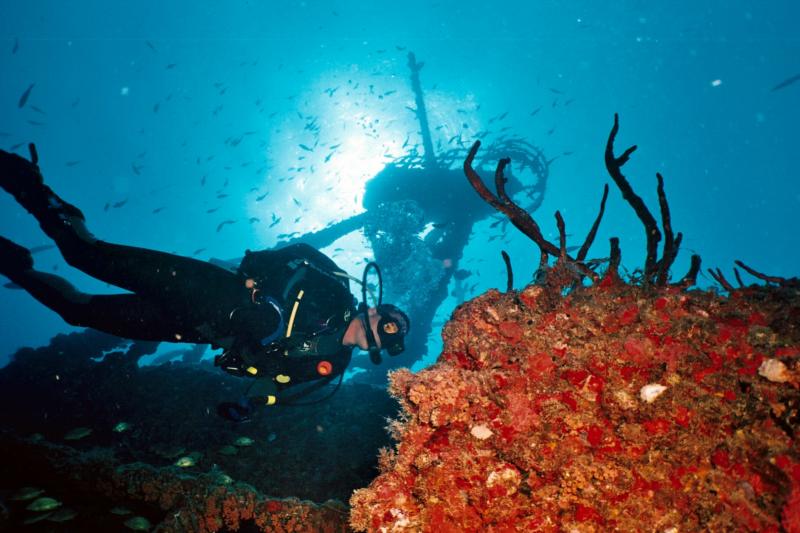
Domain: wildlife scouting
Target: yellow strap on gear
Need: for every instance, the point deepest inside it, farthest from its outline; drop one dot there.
(292, 316)
(271, 400)
(283, 378)
(252, 370)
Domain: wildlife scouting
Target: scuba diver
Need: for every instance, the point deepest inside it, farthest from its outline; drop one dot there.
(284, 317)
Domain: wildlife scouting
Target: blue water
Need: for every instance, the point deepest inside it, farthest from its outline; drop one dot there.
(140, 102)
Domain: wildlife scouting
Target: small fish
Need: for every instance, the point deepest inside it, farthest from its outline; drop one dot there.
(306, 148)
(121, 427)
(159, 209)
(25, 95)
(37, 109)
(202, 181)
(65, 514)
(42, 248)
(198, 251)
(223, 224)
(35, 123)
(43, 504)
(78, 433)
(171, 66)
(212, 209)
(496, 223)
(253, 220)
(36, 518)
(228, 450)
(296, 202)
(244, 441)
(223, 479)
(27, 493)
(259, 198)
(275, 222)
(71, 163)
(15, 49)
(185, 462)
(136, 169)
(151, 46)
(119, 204)
(222, 195)
(156, 108)
(781, 85)
(138, 523)
(556, 91)
(120, 511)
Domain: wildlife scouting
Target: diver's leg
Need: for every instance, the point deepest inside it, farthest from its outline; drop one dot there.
(124, 315)
(23, 180)
(190, 283)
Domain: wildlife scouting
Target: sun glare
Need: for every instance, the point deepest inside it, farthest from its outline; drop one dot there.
(321, 160)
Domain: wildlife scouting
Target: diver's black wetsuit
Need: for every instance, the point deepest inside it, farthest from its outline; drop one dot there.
(180, 299)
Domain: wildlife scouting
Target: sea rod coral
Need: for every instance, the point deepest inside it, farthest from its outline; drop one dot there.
(586, 402)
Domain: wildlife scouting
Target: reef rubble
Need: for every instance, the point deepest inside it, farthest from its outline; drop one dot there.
(587, 402)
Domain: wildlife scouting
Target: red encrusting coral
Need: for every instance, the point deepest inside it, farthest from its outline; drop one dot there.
(537, 416)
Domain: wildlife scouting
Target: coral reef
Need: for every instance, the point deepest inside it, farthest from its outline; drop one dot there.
(533, 418)
(586, 402)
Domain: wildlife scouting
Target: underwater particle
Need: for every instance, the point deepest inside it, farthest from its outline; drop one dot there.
(651, 391)
(36, 437)
(119, 510)
(27, 493)
(65, 514)
(185, 462)
(43, 504)
(716, 83)
(272, 436)
(137, 523)
(121, 427)
(244, 441)
(123, 91)
(481, 432)
(78, 433)
(774, 370)
(228, 450)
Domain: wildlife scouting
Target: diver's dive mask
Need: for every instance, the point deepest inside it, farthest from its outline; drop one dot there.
(392, 327)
